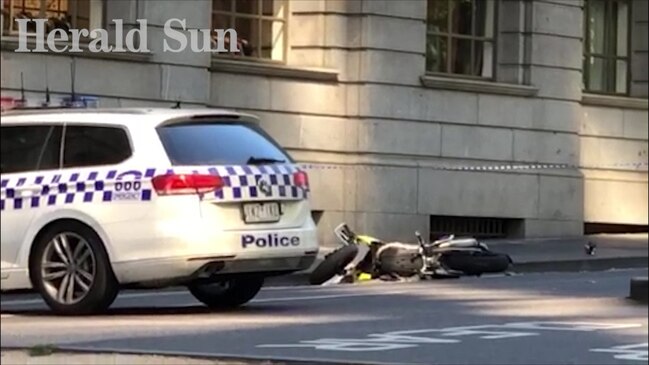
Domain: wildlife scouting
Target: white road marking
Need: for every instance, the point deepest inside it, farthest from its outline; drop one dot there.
(571, 326)
(413, 338)
(344, 344)
(628, 352)
(487, 332)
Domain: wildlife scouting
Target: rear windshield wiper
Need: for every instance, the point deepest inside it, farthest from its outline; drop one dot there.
(263, 160)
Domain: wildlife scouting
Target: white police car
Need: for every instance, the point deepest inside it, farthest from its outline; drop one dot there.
(96, 200)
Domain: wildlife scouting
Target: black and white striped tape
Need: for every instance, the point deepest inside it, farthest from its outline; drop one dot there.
(635, 166)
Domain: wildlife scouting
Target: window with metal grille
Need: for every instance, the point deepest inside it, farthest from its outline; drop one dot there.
(460, 37)
(606, 46)
(260, 26)
(61, 14)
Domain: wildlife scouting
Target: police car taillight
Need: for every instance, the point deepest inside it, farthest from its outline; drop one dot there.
(176, 184)
(301, 179)
(7, 103)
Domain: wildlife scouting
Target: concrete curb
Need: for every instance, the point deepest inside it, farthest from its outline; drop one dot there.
(638, 289)
(101, 356)
(586, 264)
(590, 264)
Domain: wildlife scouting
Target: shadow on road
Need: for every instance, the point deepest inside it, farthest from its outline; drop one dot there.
(252, 309)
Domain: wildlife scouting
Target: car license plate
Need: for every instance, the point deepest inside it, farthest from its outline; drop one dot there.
(261, 212)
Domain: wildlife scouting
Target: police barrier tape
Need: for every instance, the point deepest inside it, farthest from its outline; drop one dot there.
(241, 182)
(641, 166)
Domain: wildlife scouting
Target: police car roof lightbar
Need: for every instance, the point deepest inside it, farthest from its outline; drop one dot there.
(73, 101)
(22, 90)
(72, 68)
(47, 87)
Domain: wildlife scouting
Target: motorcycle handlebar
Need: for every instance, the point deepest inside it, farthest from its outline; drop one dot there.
(419, 238)
(344, 233)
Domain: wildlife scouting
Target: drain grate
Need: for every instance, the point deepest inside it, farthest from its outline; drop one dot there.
(478, 227)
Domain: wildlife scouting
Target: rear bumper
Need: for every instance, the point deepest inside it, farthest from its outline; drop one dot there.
(178, 271)
(183, 252)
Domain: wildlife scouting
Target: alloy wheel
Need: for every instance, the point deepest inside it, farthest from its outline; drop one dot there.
(68, 268)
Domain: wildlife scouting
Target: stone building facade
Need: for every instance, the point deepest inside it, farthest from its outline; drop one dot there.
(382, 93)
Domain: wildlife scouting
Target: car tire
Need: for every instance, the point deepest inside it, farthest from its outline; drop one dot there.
(333, 264)
(226, 294)
(71, 270)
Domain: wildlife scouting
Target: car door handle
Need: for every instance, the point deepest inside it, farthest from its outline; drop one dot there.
(29, 192)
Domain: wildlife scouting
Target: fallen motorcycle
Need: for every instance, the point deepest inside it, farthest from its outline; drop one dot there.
(363, 257)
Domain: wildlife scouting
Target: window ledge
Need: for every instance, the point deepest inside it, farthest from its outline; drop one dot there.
(615, 101)
(273, 70)
(448, 83)
(10, 43)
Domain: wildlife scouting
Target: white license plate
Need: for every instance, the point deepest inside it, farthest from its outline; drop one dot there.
(261, 212)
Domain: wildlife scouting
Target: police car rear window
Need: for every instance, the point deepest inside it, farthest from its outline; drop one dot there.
(218, 144)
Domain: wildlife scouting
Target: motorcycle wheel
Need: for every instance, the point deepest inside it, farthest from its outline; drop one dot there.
(333, 264)
(476, 263)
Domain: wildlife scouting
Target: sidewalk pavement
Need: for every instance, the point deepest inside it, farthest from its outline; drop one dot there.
(613, 251)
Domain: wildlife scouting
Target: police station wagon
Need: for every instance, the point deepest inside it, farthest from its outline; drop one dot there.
(97, 200)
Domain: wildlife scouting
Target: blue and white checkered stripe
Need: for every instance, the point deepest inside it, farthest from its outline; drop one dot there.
(241, 183)
(59, 189)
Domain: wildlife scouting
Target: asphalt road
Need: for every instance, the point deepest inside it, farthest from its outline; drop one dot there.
(561, 318)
